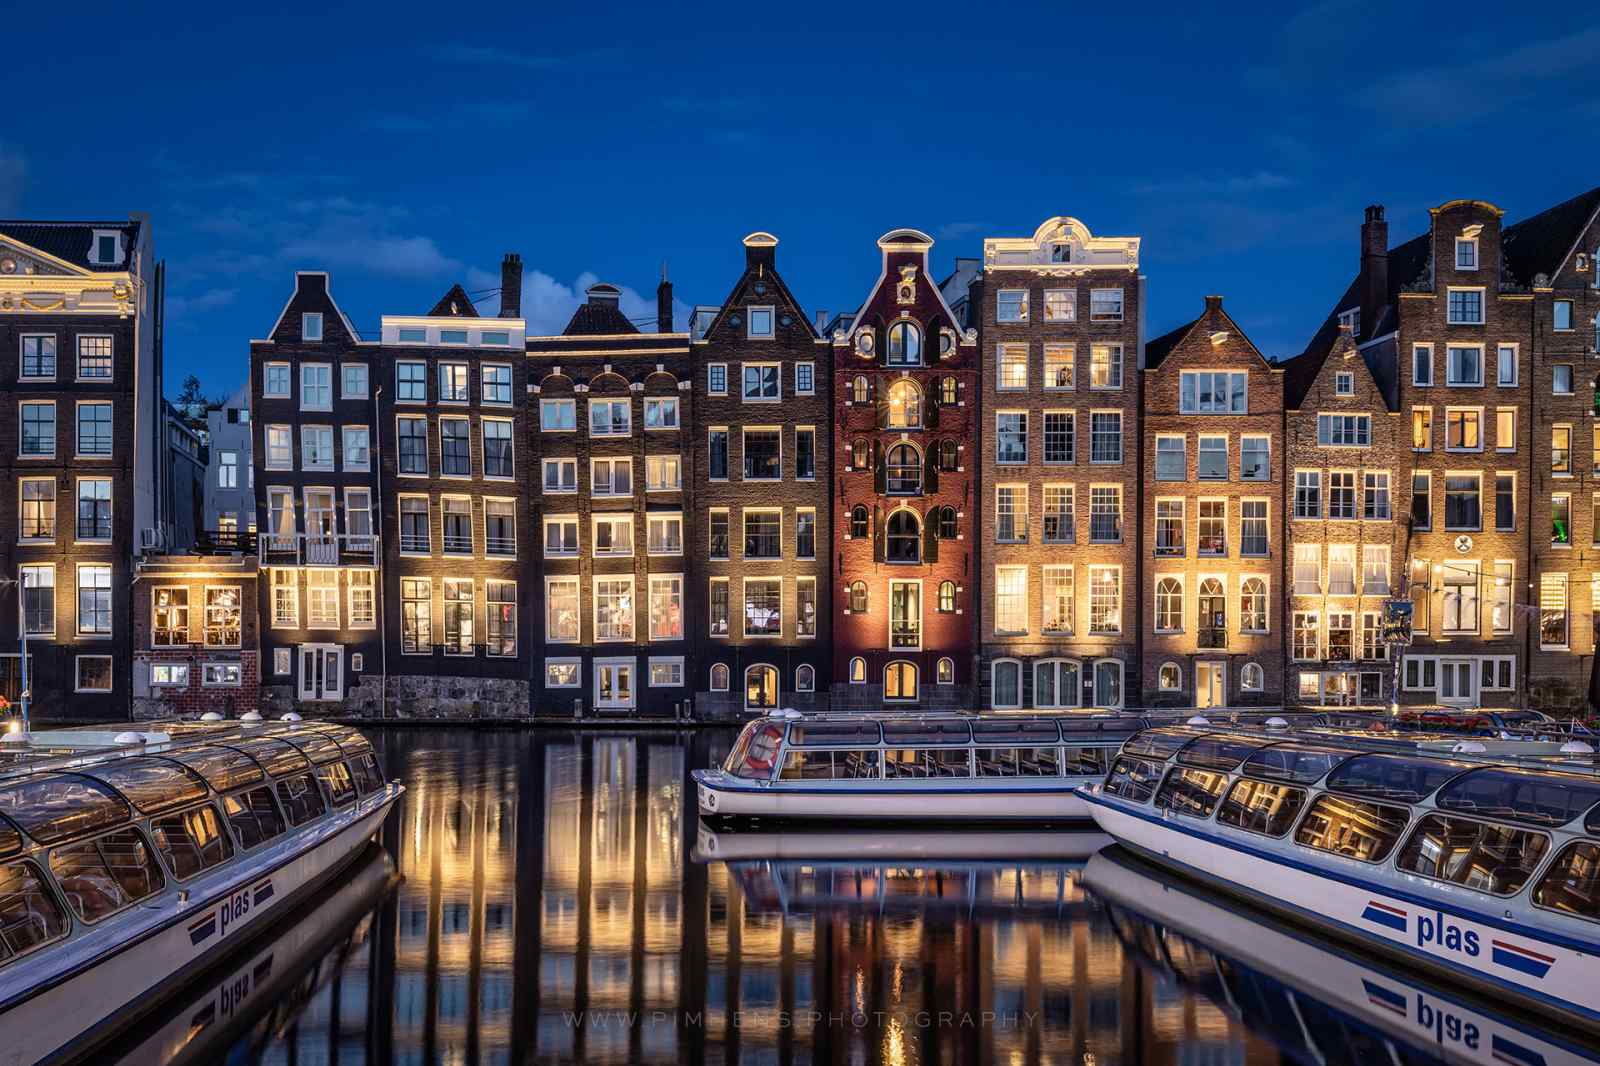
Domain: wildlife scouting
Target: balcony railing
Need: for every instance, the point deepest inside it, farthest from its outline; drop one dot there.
(1212, 637)
(317, 549)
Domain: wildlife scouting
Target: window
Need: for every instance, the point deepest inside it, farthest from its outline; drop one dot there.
(1506, 365)
(949, 455)
(1059, 527)
(1561, 449)
(1305, 642)
(1105, 366)
(1466, 253)
(170, 617)
(859, 392)
(763, 454)
(1561, 379)
(316, 387)
(412, 444)
(1500, 598)
(1560, 519)
(1561, 312)
(1056, 684)
(858, 522)
(416, 615)
(903, 538)
(93, 674)
(38, 514)
(1058, 366)
(1344, 431)
(1422, 364)
(905, 405)
(1553, 611)
(1108, 683)
(613, 609)
(39, 599)
(900, 681)
(1169, 605)
(611, 477)
(38, 433)
(1307, 569)
(858, 597)
(665, 534)
(666, 607)
(322, 598)
(411, 382)
(561, 610)
(455, 447)
(760, 322)
(717, 379)
(94, 599)
(1006, 679)
(363, 604)
(949, 391)
(1422, 429)
(1344, 383)
(717, 447)
(805, 453)
(560, 475)
(1253, 605)
(1342, 495)
(1375, 496)
(1505, 506)
(357, 452)
(1460, 600)
(947, 597)
(1213, 392)
(1171, 462)
(1308, 494)
(666, 672)
(805, 598)
(1422, 500)
(613, 535)
(663, 473)
(1505, 429)
(557, 416)
(1213, 458)
(94, 358)
(1105, 437)
(1060, 305)
(497, 449)
(948, 529)
(311, 326)
(1105, 600)
(1105, 305)
(353, 381)
(454, 384)
(763, 534)
(1169, 527)
(1213, 528)
(1255, 458)
(805, 379)
(1464, 365)
(805, 534)
(1464, 307)
(1011, 599)
(1013, 367)
(610, 418)
(316, 447)
(38, 358)
(1253, 527)
(1011, 513)
(1011, 305)
(456, 518)
(763, 607)
(1105, 514)
(1011, 437)
(1059, 610)
(905, 614)
(905, 345)
(1461, 502)
(560, 535)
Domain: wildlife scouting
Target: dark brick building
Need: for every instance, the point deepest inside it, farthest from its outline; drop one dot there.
(196, 635)
(759, 547)
(906, 424)
(82, 463)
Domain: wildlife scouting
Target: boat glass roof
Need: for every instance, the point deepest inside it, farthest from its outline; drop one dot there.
(318, 748)
(927, 731)
(52, 807)
(151, 785)
(1303, 764)
(224, 769)
(1542, 799)
(1015, 731)
(274, 755)
(831, 734)
(1394, 777)
(1160, 743)
(1218, 752)
(10, 838)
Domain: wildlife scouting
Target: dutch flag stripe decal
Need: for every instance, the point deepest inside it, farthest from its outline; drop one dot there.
(1387, 998)
(1385, 915)
(263, 892)
(1523, 960)
(1506, 1051)
(201, 930)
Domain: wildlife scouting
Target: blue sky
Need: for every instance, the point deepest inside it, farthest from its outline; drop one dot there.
(406, 147)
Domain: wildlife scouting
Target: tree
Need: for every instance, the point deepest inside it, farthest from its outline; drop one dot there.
(191, 396)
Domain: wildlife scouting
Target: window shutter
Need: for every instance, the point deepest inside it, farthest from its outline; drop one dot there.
(883, 409)
(930, 536)
(930, 473)
(930, 406)
(877, 530)
(879, 481)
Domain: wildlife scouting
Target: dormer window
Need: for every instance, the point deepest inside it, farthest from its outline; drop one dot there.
(1352, 319)
(1466, 253)
(107, 248)
(1344, 383)
(1061, 253)
(760, 322)
(311, 326)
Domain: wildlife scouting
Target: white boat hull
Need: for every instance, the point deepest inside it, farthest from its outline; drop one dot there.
(721, 794)
(901, 846)
(65, 1000)
(1340, 893)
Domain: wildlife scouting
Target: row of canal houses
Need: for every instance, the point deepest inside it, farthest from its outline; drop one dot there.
(985, 487)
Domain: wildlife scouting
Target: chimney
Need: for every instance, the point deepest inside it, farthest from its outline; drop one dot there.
(511, 286)
(822, 321)
(1373, 286)
(664, 303)
(1213, 303)
(760, 251)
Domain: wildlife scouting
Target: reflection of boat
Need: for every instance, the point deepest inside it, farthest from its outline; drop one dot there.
(120, 879)
(1487, 873)
(204, 1020)
(872, 845)
(1318, 1002)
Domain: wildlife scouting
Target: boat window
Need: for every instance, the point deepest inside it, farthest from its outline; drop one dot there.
(926, 762)
(1218, 753)
(253, 815)
(1545, 799)
(949, 731)
(830, 765)
(756, 751)
(365, 770)
(1157, 743)
(10, 839)
(191, 841)
(318, 748)
(29, 914)
(275, 756)
(300, 798)
(1192, 792)
(1365, 831)
(1262, 807)
(1299, 763)
(1133, 779)
(151, 785)
(1016, 731)
(1394, 777)
(350, 740)
(1496, 859)
(57, 806)
(336, 777)
(1572, 884)
(1085, 761)
(223, 768)
(106, 874)
(833, 734)
(1018, 762)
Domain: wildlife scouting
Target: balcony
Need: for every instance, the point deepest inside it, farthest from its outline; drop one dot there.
(218, 542)
(317, 549)
(1213, 638)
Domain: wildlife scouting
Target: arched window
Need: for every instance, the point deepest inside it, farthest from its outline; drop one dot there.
(858, 454)
(903, 470)
(719, 677)
(905, 405)
(947, 597)
(761, 688)
(900, 680)
(858, 597)
(947, 343)
(1169, 604)
(904, 541)
(1170, 678)
(1108, 683)
(905, 345)
(945, 672)
(1251, 677)
(1007, 683)
(858, 390)
(1057, 683)
(949, 392)
(1213, 614)
(1253, 605)
(858, 671)
(947, 523)
(805, 678)
(949, 455)
(858, 521)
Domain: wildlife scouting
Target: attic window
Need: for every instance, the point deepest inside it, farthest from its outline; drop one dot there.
(1344, 383)
(413, 336)
(107, 248)
(760, 321)
(452, 336)
(1061, 253)
(1351, 318)
(1466, 253)
(496, 337)
(311, 326)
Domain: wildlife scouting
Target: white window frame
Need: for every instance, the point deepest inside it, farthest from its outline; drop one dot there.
(311, 369)
(311, 326)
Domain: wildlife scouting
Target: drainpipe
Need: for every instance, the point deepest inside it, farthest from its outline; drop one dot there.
(378, 549)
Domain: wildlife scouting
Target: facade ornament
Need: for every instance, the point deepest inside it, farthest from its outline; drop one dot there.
(906, 291)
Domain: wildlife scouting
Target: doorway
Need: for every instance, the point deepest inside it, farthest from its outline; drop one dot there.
(1456, 684)
(1210, 685)
(322, 672)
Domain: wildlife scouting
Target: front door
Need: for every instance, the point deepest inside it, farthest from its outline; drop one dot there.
(1456, 683)
(1210, 685)
(321, 671)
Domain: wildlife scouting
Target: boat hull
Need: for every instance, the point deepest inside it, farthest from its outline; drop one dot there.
(60, 1004)
(721, 795)
(1443, 935)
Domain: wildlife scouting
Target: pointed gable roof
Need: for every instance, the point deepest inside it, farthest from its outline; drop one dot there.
(600, 314)
(1540, 244)
(1157, 350)
(764, 264)
(1215, 320)
(454, 304)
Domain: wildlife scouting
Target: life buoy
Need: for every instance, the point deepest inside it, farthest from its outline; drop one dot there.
(764, 742)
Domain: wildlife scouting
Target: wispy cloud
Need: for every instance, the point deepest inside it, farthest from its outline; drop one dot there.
(953, 231)
(13, 173)
(182, 310)
(478, 55)
(548, 304)
(1470, 89)
(1217, 185)
(471, 115)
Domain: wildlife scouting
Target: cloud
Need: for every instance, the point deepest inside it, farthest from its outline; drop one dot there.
(13, 172)
(471, 115)
(183, 307)
(952, 231)
(1468, 90)
(1217, 185)
(401, 257)
(548, 304)
(476, 55)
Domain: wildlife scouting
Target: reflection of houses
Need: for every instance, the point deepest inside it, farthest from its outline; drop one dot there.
(196, 635)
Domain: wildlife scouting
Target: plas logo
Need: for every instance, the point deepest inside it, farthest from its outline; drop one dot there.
(1385, 915)
(1521, 959)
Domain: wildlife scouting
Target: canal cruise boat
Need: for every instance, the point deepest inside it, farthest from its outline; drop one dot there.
(123, 877)
(1482, 867)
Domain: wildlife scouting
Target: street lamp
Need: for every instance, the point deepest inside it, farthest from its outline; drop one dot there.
(24, 697)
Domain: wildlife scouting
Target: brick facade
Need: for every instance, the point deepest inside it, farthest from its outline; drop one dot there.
(196, 645)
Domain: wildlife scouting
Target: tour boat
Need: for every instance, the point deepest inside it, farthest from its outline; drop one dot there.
(931, 769)
(1317, 1001)
(1481, 866)
(122, 878)
(872, 845)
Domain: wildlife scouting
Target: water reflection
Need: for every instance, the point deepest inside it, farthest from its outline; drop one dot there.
(552, 911)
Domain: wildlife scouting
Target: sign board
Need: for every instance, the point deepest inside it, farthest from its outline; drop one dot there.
(1397, 616)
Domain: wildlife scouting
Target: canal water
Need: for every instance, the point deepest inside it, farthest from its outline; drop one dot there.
(553, 906)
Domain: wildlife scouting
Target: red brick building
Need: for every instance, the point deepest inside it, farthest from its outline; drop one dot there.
(196, 635)
(905, 428)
